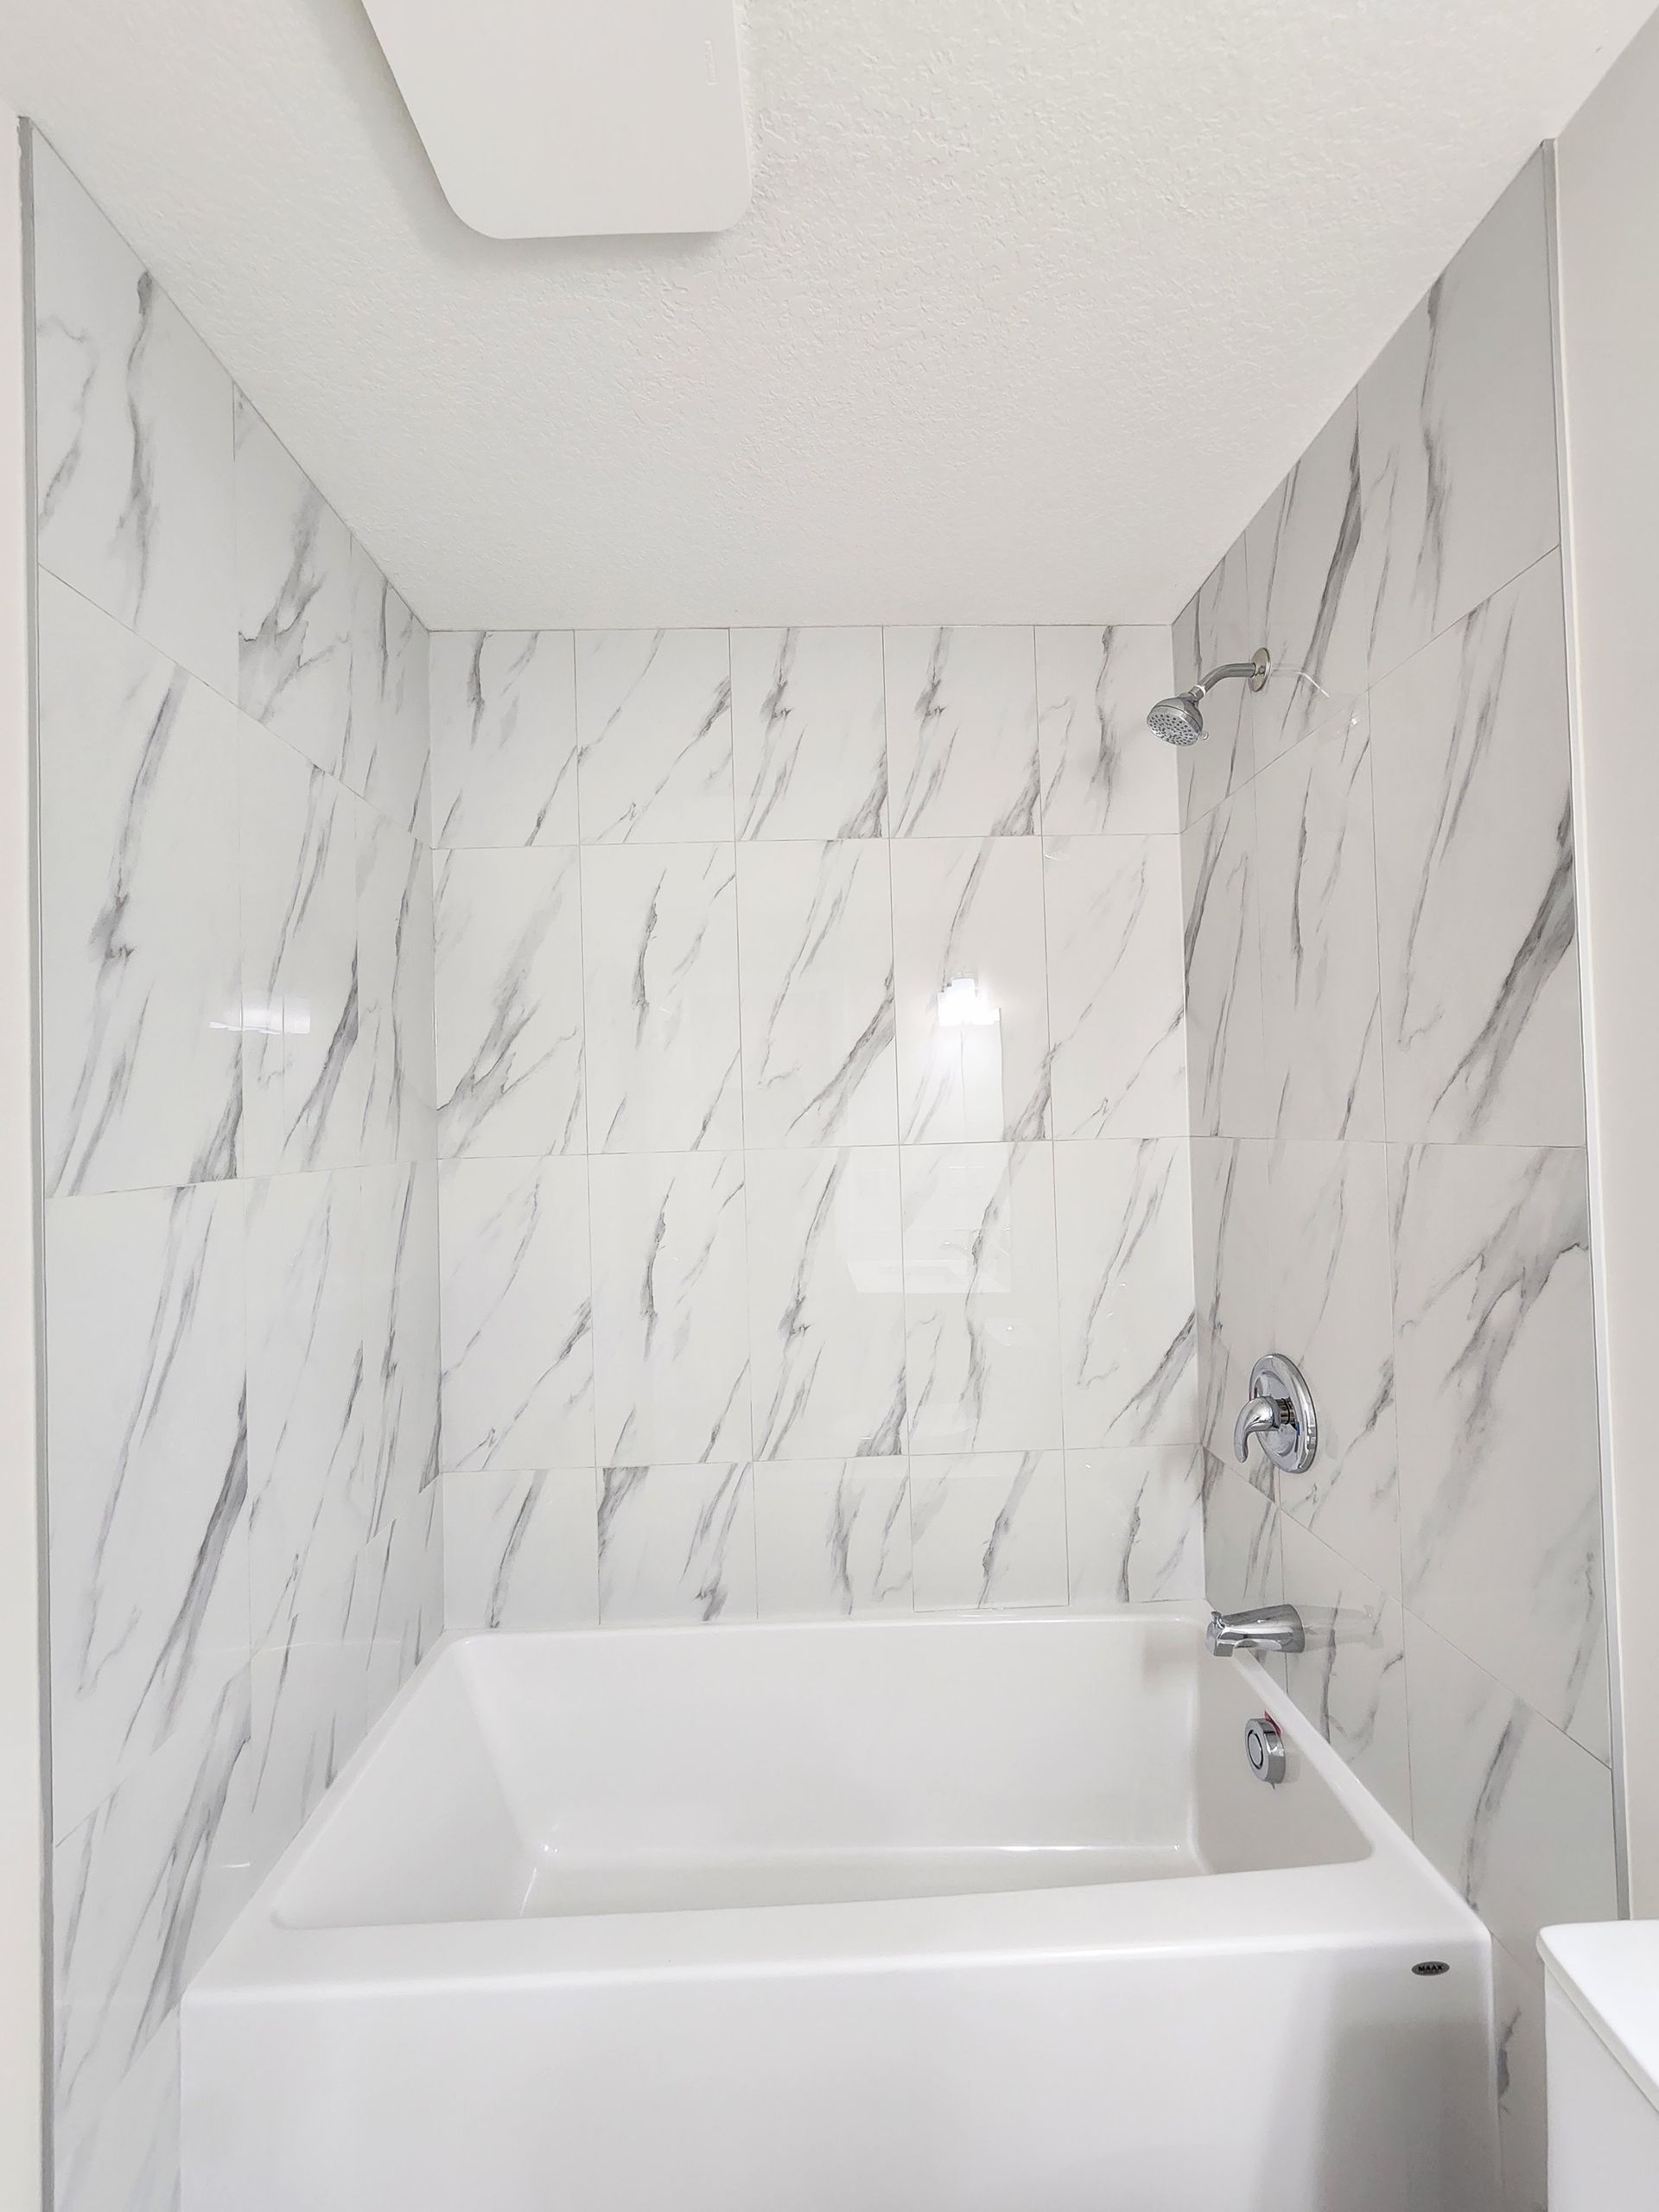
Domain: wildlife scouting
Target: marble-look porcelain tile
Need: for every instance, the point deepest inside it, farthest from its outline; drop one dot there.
(143, 1890)
(521, 1551)
(1232, 1294)
(507, 1003)
(304, 1077)
(295, 595)
(826, 1304)
(1135, 1525)
(395, 927)
(1331, 1304)
(401, 1332)
(1457, 432)
(972, 990)
(1495, 1390)
(654, 735)
(815, 948)
(133, 425)
(1316, 901)
(675, 1543)
(831, 1538)
(1351, 1682)
(962, 732)
(308, 1494)
(671, 1313)
(988, 1530)
(386, 757)
(518, 1388)
(139, 970)
(1308, 591)
(1116, 994)
(1103, 771)
(310, 1711)
(1470, 759)
(504, 737)
(1243, 1565)
(1518, 2021)
(147, 1438)
(808, 733)
(1221, 629)
(125, 2158)
(1127, 1319)
(659, 951)
(1515, 1815)
(981, 1297)
(1226, 1066)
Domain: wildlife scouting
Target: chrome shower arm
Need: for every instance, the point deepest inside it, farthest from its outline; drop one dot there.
(1253, 672)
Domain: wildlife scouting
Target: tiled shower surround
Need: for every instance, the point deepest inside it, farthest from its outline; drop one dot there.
(241, 1216)
(811, 1117)
(1387, 1077)
(777, 1087)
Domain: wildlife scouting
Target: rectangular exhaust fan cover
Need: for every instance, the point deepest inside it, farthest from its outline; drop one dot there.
(574, 119)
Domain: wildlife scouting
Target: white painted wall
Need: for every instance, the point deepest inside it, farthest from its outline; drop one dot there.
(20, 1836)
(1609, 211)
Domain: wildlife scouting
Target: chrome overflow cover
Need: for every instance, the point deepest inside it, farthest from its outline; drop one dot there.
(1264, 1747)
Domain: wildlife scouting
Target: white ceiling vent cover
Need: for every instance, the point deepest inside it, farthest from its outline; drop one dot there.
(574, 119)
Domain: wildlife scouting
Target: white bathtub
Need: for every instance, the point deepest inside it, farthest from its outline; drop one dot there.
(964, 1916)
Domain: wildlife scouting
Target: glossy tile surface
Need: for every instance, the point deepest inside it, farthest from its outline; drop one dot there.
(808, 733)
(962, 732)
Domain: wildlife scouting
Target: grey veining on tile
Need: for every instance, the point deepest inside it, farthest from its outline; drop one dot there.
(826, 1304)
(1518, 2021)
(671, 1310)
(1226, 1070)
(517, 1321)
(654, 735)
(133, 423)
(1128, 1327)
(660, 957)
(1116, 995)
(808, 733)
(1103, 770)
(139, 965)
(504, 737)
(1231, 1291)
(1309, 592)
(303, 1075)
(832, 1538)
(675, 1543)
(988, 1530)
(1475, 884)
(395, 928)
(310, 1502)
(507, 996)
(972, 990)
(1457, 429)
(386, 754)
(1316, 902)
(1220, 629)
(815, 951)
(1351, 1680)
(981, 1297)
(521, 1551)
(294, 597)
(1329, 1301)
(1499, 1468)
(1242, 1558)
(147, 1438)
(1515, 1815)
(962, 732)
(1135, 1525)
(142, 1890)
(399, 1228)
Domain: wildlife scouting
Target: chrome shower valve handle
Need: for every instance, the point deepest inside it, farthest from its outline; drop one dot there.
(1281, 1413)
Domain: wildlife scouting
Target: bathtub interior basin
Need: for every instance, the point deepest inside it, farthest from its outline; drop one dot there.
(661, 1771)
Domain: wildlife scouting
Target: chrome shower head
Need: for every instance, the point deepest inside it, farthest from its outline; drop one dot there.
(1178, 722)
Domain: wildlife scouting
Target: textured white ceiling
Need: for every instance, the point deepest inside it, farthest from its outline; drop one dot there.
(1034, 303)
